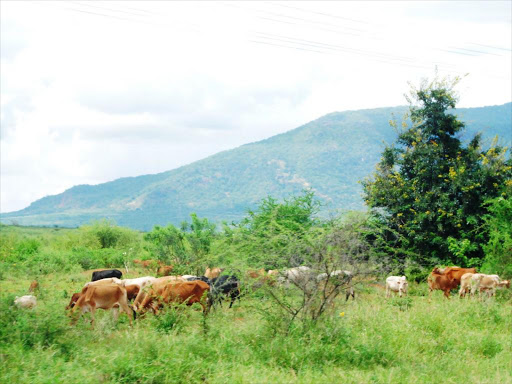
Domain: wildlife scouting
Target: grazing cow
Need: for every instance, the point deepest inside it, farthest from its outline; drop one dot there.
(396, 284)
(454, 272)
(98, 275)
(255, 273)
(132, 291)
(225, 286)
(73, 300)
(299, 276)
(27, 301)
(141, 282)
(104, 297)
(164, 270)
(213, 273)
(33, 286)
(465, 284)
(489, 284)
(258, 277)
(339, 277)
(156, 284)
(442, 282)
(188, 292)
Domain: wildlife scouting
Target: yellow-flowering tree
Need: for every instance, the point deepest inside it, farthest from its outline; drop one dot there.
(429, 188)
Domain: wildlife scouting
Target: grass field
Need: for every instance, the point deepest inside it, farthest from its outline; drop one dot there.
(369, 340)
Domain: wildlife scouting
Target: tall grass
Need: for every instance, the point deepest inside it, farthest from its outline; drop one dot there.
(372, 339)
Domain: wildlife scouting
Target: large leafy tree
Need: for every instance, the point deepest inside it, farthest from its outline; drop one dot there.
(429, 188)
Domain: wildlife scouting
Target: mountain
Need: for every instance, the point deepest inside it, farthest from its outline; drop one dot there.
(329, 154)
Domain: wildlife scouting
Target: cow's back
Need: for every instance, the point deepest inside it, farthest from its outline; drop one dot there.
(189, 291)
(102, 296)
(98, 275)
(456, 273)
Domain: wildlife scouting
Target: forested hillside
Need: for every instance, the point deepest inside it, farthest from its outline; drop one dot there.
(329, 155)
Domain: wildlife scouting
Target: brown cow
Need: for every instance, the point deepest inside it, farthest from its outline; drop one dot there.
(164, 270)
(157, 284)
(104, 297)
(454, 272)
(73, 300)
(212, 273)
(442, 282)
(188, 292)
(33, 286)
(255, 273)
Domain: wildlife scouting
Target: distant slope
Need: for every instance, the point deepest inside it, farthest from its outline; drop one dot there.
(329, 154)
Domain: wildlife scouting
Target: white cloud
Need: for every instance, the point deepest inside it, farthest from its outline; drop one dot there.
(95, 91)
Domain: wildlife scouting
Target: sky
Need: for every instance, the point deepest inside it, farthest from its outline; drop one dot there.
(94, 91)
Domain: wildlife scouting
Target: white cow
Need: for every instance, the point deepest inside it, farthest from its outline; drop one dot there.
(465, 284)
(489, 284)
(396, 284)
(340, 277)
(299, 276)
(27, 301)
(339, 274)
(141, 282)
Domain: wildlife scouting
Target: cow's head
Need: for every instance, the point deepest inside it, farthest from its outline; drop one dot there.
(402, 285)
(73, 300)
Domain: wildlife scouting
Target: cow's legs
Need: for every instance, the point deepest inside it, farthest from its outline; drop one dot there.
(350, 292)
(126, 309)
(93, 309)
(115, 313)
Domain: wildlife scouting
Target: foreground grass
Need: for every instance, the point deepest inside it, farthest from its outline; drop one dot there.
(416, 339)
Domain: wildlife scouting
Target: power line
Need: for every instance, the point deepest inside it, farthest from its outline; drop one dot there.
(376, 56)
(493, 47)
(319, 13)
(107, 9)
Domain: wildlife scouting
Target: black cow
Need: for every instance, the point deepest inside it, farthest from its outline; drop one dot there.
(202, 278)
(225, 286)
(98, 275)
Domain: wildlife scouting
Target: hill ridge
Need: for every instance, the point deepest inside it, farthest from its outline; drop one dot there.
(329, 154)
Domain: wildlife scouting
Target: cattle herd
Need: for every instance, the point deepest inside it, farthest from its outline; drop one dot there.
(107, 290)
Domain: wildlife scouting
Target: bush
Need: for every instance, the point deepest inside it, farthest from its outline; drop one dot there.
(30, 327)
(99, 258)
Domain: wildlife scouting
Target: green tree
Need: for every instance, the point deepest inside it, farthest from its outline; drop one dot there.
(267, 237)
(498, 249)
(167, 244)
(200, 234)
(429, 188)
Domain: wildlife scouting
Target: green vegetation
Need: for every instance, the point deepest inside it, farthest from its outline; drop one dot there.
(429, 189)
(282, 332)
(373, 341)
(330, 155)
